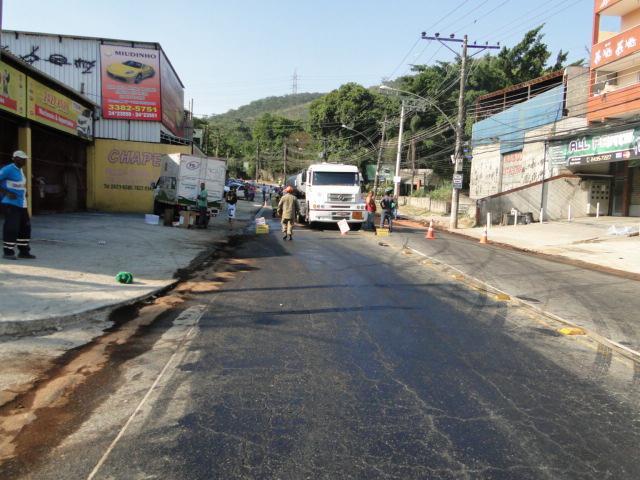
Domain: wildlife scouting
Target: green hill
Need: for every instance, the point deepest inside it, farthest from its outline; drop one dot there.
(294, 107)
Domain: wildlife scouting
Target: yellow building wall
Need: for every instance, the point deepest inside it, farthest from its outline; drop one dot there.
(120, 173)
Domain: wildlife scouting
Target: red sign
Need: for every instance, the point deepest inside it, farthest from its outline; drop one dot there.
(615, 48)
(130, 83)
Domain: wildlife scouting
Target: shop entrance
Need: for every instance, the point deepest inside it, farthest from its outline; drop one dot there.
(59, 172)
(619, 189)
(8, 139)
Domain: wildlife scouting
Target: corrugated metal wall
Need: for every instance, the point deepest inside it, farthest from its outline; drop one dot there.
(76, 63)
(511, 125)
(128, 130)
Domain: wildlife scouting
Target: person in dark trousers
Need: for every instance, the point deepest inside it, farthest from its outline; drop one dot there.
(388, 205)
(202, 203)
(17, 224)
(232, 199)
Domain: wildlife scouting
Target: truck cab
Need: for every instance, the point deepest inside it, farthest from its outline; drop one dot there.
(330, 193)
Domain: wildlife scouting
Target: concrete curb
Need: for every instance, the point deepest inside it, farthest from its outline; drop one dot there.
(31, 327)
(627, 352)
(548, 256)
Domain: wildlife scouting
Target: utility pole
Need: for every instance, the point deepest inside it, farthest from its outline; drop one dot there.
(375, 181)
(294, 82)
(396, 179)
(413, 163)
(257, 161)
(284, 163)
(458, 154)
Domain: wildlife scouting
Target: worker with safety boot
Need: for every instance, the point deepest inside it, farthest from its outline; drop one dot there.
(287, 210)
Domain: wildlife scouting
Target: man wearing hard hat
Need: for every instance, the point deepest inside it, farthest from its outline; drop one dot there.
(17, 225)
(288, 209)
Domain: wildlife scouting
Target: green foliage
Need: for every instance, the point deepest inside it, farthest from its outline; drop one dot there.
(311, 123)
(443, 192)
(294, 107)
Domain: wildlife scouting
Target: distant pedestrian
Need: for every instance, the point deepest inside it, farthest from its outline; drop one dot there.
(288, 209)
(264, 194)
(387, 205)
(17, 224)
(370, 205)
(232, 199)
(202, 204)
(275, 201)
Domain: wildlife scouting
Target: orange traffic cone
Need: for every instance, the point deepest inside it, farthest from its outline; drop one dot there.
(430, 233)
(483, 238)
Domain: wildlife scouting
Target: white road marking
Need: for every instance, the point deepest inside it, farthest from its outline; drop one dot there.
(190, 316)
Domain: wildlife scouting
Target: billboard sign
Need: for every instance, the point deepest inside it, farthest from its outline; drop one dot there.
(172, 99)
(51, 108)
(130, 83)
(617, 47)
(12, 90)
(587, 149)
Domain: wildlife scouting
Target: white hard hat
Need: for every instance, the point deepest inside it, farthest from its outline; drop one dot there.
(20, 154)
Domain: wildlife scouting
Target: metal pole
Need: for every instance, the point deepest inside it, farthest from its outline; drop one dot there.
(396, 179)
(284, 163)
(375, 181)
(455, 195)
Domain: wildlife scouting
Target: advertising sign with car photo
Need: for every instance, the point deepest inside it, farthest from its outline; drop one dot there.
(172, 99)
(130, 83)
(51, 108)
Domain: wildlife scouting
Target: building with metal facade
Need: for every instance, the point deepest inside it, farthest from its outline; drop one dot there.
(139, 101)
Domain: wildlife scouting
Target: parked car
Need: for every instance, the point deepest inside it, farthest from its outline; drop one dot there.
(130, 71)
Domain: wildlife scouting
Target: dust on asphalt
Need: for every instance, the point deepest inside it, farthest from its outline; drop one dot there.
(36, 421)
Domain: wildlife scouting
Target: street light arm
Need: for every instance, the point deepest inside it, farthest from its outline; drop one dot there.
(430, 101)
(361, 134)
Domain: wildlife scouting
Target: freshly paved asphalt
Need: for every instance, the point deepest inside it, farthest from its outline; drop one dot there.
(341, 357)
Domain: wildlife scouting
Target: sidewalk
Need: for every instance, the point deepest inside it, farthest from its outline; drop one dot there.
(583, 239)
(78, 256)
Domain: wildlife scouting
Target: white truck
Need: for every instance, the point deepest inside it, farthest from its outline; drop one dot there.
(328, 193)
(180, 179)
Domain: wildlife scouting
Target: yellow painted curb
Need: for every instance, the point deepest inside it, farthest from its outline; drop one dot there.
(457, 277)
(571, 331)
(503, 297)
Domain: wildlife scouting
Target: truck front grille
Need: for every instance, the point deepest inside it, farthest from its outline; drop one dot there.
(341, 197)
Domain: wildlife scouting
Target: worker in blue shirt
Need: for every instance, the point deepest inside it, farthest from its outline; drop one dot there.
(17, 225)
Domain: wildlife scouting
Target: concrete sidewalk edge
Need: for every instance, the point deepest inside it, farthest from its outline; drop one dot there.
(549, 256)
(40, 325)
(621, 349)
(22, 328)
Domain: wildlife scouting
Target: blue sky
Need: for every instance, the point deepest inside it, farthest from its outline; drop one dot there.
(230, 53)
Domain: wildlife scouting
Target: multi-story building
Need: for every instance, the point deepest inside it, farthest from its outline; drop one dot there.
(131, 111)
(514, 161)
(614, 104)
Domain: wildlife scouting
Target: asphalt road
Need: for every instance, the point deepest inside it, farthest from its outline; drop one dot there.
(344, 358)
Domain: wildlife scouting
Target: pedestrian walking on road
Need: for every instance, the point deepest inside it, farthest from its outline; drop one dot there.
(387, 204)
(17, 224)
(370, 205)
(288, 209)
(202, 203)
(232, 199)
(275, 201)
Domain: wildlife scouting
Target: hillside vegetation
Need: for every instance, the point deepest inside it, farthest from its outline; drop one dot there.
(293, 107)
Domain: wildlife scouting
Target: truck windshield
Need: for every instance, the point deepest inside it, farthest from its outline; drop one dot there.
(335, 178)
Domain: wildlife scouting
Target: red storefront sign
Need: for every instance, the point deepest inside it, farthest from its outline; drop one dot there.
(615, 48)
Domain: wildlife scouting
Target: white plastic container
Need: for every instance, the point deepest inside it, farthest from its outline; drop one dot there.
(151, 219)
